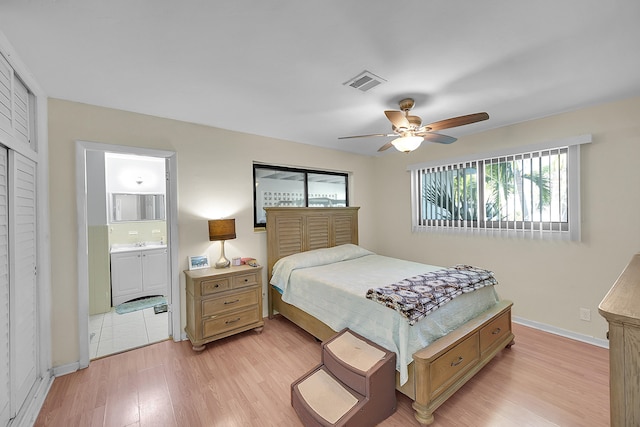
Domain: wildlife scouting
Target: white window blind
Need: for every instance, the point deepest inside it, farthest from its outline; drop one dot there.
(530, 192)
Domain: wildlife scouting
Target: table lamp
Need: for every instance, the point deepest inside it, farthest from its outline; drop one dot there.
(222, 229)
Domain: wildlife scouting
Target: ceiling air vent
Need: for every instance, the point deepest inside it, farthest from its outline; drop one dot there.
(364, 81)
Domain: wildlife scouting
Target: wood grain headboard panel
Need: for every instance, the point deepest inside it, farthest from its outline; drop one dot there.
(293, 230)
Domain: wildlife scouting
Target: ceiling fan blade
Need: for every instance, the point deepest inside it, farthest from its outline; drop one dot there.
(385, 146)
(366, 136)
(397, 118)
(457, 121)
(437, 137)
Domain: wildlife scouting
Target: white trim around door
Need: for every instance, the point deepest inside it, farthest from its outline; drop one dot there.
(83, 264)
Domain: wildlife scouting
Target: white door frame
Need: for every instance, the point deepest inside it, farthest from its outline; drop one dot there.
(83, 250)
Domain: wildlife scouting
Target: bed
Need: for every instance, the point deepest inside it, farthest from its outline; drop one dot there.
(436, 356)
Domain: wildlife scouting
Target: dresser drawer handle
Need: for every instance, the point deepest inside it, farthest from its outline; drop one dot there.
(246, 280)
(457, 362)
(231, 302)
(231, 321)
(496, 331)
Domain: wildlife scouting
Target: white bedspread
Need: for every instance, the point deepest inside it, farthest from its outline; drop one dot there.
(331, 284)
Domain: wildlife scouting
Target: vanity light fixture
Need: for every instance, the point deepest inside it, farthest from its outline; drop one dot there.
(222, 229)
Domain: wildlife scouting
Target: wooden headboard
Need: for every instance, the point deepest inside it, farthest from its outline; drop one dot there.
(292, 230)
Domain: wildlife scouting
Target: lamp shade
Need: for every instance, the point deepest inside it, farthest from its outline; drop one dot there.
(407, 143)
(222, 229)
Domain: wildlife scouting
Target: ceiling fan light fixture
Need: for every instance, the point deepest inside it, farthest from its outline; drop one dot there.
(407, 143)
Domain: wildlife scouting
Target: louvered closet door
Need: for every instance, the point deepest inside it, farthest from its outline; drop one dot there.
(22, 247)
(21, 119)
(5, 385)
(6, 77)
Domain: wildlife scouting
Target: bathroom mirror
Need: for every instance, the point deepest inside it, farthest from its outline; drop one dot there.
(137, 207)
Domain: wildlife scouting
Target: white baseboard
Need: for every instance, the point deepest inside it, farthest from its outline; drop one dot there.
(66, 369)
(562, 332)
(28, 414)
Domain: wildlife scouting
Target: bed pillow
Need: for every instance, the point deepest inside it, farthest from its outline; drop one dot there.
(284, 266)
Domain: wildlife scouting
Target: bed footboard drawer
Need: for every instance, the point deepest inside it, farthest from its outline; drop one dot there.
(453, 364)
(495, 331)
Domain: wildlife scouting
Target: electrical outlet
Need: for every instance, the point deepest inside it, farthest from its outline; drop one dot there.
(585, 314)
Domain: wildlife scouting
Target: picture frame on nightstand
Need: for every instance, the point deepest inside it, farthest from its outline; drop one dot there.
(199, 261)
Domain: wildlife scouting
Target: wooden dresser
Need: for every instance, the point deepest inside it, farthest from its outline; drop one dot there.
(223, 302)
(621, 308)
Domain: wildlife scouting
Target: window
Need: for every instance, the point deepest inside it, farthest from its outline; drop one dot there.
(531, 193)
(283, 186)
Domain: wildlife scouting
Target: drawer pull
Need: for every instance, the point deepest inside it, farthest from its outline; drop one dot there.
(496, 331)
(217, 285)
(457, 362)
(231, 321)
(231, 302)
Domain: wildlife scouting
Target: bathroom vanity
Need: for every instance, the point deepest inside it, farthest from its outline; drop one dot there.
(138, 271)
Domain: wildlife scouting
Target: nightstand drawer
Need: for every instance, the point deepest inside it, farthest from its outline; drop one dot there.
(245, 280)
(220, 324)
(451, 365)
(216, 285)
(231, 301)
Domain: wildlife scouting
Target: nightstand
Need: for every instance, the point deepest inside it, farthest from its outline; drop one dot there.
(223, 302)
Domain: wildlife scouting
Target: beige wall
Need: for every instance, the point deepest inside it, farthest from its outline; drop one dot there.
(548, 281)
(214, 180)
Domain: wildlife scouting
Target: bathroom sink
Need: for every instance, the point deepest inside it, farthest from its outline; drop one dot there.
(130, 247)
(153, 245)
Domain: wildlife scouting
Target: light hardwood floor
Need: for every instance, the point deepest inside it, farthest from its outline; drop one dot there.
(244, 380)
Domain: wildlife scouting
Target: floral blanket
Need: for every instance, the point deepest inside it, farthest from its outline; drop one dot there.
(420, 295)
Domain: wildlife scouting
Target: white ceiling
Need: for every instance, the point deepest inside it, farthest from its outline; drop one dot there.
(276, 68)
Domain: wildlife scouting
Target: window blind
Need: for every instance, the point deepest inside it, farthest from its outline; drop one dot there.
(530, 193)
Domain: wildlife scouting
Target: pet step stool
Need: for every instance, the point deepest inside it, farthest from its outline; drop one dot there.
(353, 386)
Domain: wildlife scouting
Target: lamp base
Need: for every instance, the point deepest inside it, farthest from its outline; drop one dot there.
(223, 262)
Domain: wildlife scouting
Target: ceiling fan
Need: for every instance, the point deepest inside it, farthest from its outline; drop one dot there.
(409, 130)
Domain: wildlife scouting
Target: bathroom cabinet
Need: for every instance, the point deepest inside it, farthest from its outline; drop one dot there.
(138, 273)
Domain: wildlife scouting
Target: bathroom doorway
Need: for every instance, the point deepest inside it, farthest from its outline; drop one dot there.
(108, 176)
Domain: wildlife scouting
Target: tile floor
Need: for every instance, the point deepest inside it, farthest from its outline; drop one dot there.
(111, 333)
